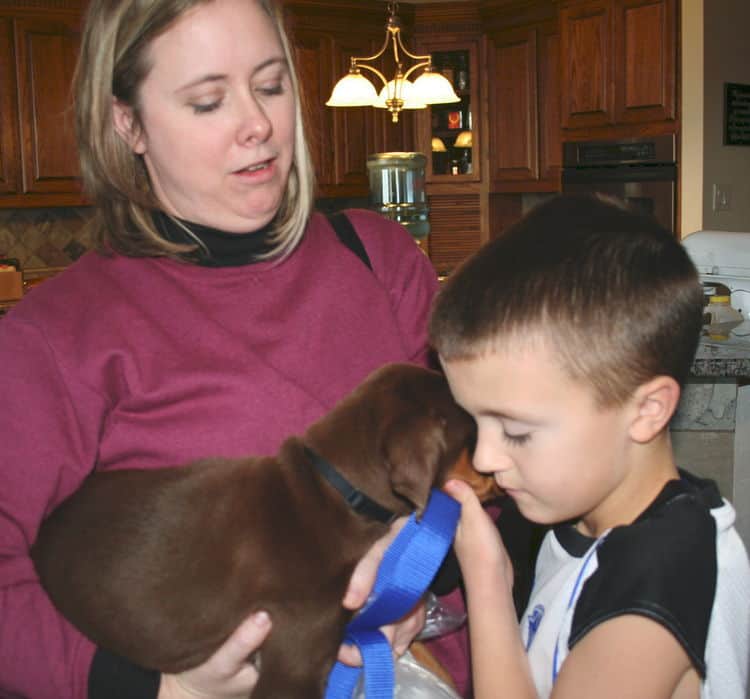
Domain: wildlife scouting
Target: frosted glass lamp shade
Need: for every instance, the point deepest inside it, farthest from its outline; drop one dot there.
(353, 90)
(464, 140)
(438, 146)
(407, 94)
(433, 88)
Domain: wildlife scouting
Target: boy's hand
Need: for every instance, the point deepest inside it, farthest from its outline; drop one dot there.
(400, 634)
(479, 548)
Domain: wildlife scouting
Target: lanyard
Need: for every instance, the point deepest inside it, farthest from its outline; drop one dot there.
(407, 568)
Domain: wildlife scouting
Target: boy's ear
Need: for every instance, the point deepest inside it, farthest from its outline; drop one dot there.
(127, 126)
(655, 403)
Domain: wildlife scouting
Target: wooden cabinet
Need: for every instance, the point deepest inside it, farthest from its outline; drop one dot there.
(619, 62)
(38, 158)
(524, 108)
(458, 203)
(324, 35)
(451, 138)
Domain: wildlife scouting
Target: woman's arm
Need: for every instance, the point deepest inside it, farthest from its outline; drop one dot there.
(45, 448)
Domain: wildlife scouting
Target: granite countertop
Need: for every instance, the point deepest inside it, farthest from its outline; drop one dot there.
(724, 358)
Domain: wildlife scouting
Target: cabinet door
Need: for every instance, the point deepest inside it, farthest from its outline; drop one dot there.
(513, 102)
(353, 127)
(341, 139)
(314, 65)
(645, 47)
(550, 133)
(9, 157)
(585, 31)
(455, 229)
(450, 134)
(46, 51)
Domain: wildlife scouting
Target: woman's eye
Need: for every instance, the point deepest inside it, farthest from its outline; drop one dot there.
(205, 108)
(271, 90)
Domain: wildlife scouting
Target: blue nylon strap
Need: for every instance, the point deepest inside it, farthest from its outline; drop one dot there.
(407, 568)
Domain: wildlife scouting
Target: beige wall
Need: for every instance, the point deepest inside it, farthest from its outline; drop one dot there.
(715, 50)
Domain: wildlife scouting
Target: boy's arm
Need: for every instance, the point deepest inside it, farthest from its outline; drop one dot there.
(499, 664)
(628, 656)
(624, 657)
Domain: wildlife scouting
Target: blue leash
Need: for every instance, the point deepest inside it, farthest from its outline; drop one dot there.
(407, 568)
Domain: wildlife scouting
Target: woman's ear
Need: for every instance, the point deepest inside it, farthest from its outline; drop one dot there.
(655, 403)
(127, 126)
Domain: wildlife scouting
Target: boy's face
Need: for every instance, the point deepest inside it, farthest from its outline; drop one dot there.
(541, 434)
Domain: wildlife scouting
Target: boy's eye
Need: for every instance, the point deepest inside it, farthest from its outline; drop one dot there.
(516, 440)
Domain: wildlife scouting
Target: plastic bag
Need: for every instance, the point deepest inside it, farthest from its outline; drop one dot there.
(413, 681)
(440, 619)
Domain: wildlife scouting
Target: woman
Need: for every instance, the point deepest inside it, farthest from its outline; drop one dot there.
(218, 316)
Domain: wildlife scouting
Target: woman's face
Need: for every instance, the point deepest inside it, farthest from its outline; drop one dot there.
(217, 117)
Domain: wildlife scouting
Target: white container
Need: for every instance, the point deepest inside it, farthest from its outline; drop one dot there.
(723, 257)
(720, 317)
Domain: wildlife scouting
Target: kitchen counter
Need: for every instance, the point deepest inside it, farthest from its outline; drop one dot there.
(728, 358)
(711, 428)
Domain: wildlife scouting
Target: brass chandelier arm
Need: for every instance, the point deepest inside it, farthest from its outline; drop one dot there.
(355, 90)
(396, 32)
(417, 66)
(356, 64)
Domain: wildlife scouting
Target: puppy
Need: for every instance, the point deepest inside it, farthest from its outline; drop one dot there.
(161, 566)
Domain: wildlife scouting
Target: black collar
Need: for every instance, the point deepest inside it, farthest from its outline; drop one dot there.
(215, 248)
(356, 499)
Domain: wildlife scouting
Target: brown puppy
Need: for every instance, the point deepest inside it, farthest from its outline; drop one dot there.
(161, 566)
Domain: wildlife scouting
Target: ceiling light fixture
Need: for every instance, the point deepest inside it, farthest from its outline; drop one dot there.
(355, 90)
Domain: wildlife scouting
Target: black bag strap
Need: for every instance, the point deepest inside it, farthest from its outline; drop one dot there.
(348, 236)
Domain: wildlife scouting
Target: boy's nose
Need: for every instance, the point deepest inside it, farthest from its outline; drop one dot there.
(489, 455)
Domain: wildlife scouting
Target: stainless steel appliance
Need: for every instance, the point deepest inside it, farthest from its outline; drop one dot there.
(642, 172)
(397, 190)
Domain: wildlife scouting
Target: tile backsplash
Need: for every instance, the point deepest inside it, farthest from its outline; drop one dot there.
(56, 237)
(45, 237)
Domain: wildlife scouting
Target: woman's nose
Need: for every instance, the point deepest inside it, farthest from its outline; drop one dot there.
(255, 126)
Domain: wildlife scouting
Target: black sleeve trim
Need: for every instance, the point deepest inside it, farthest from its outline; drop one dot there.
(663, 567)
(113, 677)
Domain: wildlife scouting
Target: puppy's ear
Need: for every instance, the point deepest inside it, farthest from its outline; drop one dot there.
(414, 448)
(483, 485)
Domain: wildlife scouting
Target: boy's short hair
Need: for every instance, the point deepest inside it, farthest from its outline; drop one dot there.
(610, 291)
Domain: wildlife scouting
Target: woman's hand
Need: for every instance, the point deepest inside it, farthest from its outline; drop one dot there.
(401, 633)
(227, 674)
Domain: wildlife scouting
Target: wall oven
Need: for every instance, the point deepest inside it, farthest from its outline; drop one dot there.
(642, 172)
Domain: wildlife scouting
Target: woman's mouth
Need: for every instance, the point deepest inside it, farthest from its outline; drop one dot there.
(257, 167)
(257, 171)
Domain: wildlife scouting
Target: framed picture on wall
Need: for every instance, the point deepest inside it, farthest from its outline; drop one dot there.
(736, 114)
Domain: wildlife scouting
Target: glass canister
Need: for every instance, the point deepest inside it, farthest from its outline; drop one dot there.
(397, 190)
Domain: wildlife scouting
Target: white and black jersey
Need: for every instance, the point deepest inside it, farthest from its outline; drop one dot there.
(680, 563)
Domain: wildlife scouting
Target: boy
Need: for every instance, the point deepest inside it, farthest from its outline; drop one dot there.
(568, 339)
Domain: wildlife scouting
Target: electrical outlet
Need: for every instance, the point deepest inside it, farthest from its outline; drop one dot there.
(722, 199)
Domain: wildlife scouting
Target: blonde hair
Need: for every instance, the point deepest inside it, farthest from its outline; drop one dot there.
(113, 64)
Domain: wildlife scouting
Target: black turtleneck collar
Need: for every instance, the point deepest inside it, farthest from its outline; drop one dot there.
(218, 248)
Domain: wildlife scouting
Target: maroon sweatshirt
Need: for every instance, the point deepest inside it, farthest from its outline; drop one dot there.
(146, 363)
